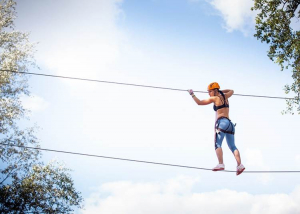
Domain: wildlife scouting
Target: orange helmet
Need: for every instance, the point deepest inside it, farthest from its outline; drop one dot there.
(213, 86)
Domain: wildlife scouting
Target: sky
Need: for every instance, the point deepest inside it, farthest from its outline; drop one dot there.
(183, 44)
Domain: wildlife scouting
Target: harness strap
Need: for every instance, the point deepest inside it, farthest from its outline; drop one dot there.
(222, 130)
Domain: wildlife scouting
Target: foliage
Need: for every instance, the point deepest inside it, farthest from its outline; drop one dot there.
(273, 26)
(44, 189)
(26, 184)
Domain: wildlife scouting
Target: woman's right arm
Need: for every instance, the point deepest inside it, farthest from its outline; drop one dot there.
(228, 93)
(201, 102)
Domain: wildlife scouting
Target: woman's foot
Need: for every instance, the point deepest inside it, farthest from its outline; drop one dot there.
(219, 167)
(240, 169)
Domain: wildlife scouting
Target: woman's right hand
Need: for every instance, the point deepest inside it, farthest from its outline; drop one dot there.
(191, 92)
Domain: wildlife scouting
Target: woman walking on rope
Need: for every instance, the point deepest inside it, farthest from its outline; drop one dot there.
(223, 126)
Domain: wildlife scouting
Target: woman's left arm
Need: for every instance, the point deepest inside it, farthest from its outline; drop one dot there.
(228, 93)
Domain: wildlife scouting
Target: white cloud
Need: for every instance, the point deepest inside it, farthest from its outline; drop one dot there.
(34, 103)
(128, 197)
(237, 14)
(255, 160)
(88, 48)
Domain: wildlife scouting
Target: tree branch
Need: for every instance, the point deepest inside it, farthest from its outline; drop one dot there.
(10, 173)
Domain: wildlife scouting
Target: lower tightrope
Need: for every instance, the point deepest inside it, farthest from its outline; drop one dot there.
(139, 161)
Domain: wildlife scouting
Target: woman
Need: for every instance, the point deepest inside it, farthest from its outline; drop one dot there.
(223, 126)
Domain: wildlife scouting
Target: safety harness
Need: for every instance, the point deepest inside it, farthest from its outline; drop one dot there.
(222, 130)
(218, 130)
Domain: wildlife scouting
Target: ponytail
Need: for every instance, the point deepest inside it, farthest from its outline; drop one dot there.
(221, 92)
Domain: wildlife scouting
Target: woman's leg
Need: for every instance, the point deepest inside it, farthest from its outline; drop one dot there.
(219, 153)
(232, 147)
(218, 146)
(237, 156)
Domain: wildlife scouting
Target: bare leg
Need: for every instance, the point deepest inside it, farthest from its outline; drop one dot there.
(236, 154)
(219, 153)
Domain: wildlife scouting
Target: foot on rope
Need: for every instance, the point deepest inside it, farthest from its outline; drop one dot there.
(240, 169)
(219, 167)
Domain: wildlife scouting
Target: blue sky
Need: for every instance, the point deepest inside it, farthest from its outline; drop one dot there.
(180, 44)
